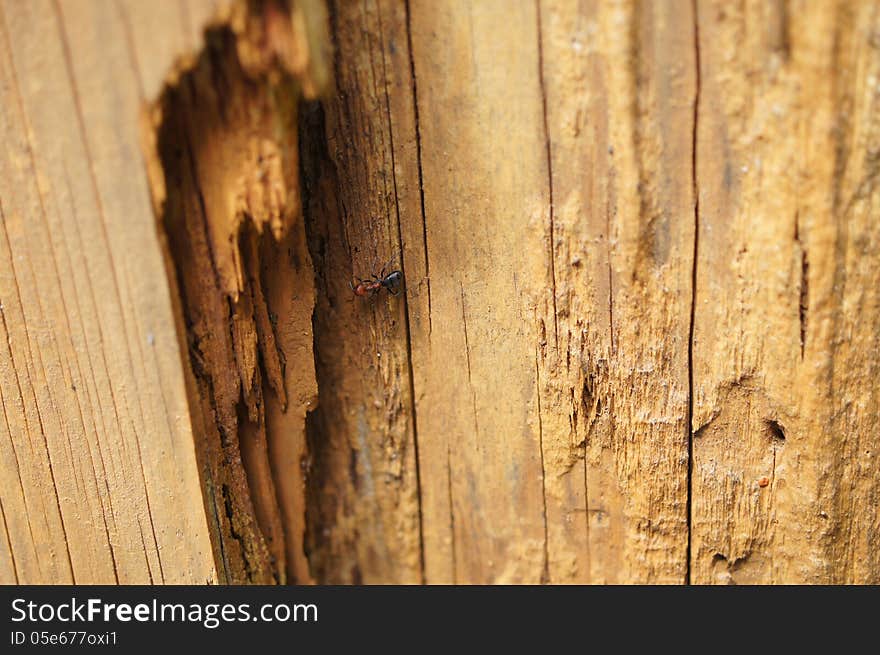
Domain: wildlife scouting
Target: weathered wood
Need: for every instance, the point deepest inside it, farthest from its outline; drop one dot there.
(558, 319)
(535, 215)
(640, 327)
(788, 284)
(364, 517)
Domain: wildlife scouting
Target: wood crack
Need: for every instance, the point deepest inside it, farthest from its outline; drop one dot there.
(804, 289)
(545, 572)
(9, 543)
(451, 513)
(548, 145)
(467, 352)
(412, 390)
(695, 254)
(415, 95)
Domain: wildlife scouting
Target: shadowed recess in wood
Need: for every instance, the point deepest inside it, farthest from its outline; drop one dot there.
(223, 140)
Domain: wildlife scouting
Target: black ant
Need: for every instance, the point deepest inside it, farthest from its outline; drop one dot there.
(370, 287)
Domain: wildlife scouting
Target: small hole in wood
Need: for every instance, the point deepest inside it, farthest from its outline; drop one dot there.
(776, 430)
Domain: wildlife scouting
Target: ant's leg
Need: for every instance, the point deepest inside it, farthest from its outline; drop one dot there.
(387, 266)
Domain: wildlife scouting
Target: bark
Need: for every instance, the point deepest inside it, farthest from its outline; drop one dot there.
(639, 331)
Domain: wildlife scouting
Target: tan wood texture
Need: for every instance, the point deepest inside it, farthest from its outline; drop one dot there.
(622, 222)
(786, 332)
(551, 394)
(98, 465)
(638, 339)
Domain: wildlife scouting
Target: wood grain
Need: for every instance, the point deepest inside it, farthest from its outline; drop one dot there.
(786, 332)
(640, 326)
(539, 425)
(608, 215)
(362, 190)
(99, 478)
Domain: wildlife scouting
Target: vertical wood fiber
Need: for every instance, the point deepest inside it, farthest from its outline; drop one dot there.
(640, 329)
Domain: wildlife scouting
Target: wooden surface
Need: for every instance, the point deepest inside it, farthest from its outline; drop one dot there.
(222, 144)
(602, 207)
(98, 466)
(545, 452)
(787, 326)
(641, 322)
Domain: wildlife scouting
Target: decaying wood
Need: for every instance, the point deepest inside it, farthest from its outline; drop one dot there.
(223, 142)
(640, 327)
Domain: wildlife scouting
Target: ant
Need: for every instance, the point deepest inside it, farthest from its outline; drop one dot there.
(370, 287)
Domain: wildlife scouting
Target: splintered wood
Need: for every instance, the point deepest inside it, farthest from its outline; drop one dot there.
(226, 184)
(639, 339)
